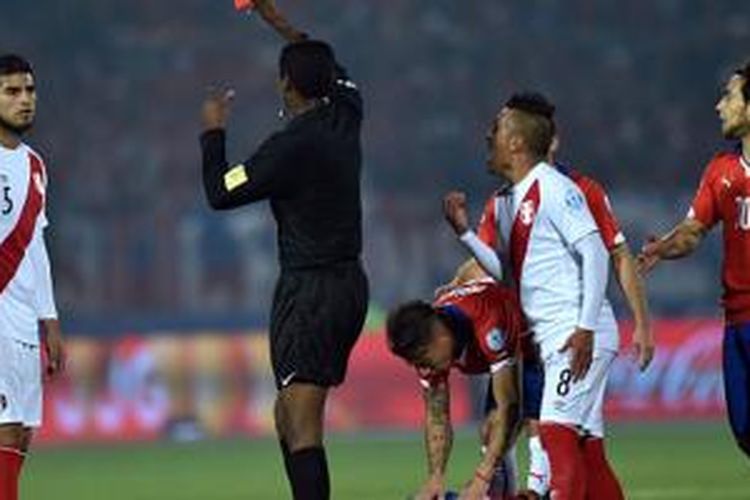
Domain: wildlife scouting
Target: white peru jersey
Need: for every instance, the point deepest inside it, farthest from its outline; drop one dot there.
(539, 221)
(25, 280)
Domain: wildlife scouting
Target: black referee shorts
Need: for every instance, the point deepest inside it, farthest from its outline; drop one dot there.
(316, 317)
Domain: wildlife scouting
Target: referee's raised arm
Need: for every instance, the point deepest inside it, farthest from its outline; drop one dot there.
(257, 178)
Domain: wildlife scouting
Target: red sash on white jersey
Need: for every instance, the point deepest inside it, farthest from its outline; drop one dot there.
(521, 230)
(13, 248)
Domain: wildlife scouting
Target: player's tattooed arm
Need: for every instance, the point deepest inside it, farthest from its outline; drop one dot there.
(504, 422)
(271, 15)
(679, 242)
(438, 428)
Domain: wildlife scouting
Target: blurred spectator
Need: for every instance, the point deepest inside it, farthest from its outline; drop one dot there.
(633, 81)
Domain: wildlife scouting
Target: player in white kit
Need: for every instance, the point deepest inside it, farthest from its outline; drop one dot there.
(26, 295)
(560, 266)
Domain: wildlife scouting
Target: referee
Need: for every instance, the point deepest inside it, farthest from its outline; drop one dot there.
(310, 172)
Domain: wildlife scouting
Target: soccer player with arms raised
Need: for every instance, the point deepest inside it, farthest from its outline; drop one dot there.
(310, 171)
(476, 328)
(724, 197)
(26, 294)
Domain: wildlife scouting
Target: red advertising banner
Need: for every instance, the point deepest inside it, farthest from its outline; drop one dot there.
(683, 382)
(190, 386)
(187, 387)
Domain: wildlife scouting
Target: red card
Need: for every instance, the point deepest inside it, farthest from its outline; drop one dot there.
(243, 5)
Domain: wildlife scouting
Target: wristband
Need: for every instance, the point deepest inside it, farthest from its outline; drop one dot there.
(481, 476)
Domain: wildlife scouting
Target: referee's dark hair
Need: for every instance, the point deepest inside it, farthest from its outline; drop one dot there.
(11, 64)
(744, 72)
(310, 67)
(409, 329)
(537, 125)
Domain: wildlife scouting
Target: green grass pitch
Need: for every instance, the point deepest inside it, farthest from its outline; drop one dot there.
(659, 461)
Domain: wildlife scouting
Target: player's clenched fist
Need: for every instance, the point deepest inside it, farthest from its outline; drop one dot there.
(216, 107)
(454, 209)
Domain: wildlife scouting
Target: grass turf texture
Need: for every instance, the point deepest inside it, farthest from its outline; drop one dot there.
(659, 461)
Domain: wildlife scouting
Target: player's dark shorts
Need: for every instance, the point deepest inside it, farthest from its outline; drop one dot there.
(532, 382)
(736, 354)
(316, 318)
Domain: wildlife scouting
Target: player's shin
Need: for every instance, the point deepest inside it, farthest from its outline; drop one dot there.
(309, 474)
(601, 481)
(11, 462)
(568, 475)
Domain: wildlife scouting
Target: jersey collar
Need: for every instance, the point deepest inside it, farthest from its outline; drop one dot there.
(460, 325)
(527, 181)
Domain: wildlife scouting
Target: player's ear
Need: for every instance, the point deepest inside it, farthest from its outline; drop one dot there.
(516, 143)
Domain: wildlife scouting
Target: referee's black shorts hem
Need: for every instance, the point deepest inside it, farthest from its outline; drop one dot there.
(316, 318)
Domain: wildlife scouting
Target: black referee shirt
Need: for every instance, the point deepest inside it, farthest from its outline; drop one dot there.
(310, 172)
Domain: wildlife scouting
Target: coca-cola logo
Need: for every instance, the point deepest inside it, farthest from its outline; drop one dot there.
(685, 376)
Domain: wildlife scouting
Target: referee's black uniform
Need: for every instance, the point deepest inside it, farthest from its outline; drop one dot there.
(310, 172)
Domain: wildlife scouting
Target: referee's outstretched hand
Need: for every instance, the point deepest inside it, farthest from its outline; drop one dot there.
(216, 107)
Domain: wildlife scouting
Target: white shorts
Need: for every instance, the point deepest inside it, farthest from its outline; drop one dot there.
(20, 383)
(578, 404)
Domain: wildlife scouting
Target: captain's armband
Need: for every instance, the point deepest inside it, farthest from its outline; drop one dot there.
(235, 177)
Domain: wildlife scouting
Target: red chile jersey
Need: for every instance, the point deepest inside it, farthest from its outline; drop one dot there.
(596, 199)
(724, 196)
(488, 322)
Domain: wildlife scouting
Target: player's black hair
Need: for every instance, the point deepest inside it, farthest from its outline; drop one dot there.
(10, 64)
(539, 126)
(532, 102)
(744, 72)
(409, 329)
(310, 66)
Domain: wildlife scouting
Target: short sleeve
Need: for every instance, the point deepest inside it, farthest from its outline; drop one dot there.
(499, 339)
(487, 228)
(704, 208)
(604, 217)
(569, 212)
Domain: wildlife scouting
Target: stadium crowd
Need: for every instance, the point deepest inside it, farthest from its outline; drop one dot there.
(121, 83)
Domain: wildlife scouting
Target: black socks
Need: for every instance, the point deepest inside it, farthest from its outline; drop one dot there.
(307, 470)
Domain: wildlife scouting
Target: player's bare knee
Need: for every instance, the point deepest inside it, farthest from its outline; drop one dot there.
(279, 417)
(11, 436)
(303, 431)
(27, 435)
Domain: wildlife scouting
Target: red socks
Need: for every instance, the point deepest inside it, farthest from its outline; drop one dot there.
(601, 481)
(566, 457)
(11, 461)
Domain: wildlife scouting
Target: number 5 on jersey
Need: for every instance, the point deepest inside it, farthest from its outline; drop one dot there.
(7, 201)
